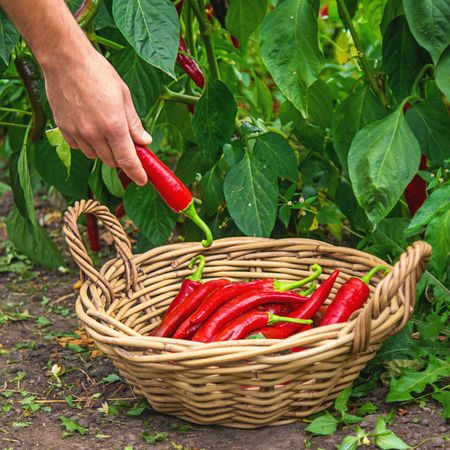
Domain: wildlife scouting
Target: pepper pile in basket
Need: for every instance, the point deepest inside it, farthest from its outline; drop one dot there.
(220, 310)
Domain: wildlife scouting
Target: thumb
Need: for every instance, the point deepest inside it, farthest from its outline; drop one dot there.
(137, 132)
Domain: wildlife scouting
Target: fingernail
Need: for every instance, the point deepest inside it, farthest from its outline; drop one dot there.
(146, 137)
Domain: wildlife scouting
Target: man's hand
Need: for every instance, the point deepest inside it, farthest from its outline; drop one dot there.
(91, 104)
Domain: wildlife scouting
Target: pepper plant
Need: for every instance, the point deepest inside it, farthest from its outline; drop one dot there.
(290, 118)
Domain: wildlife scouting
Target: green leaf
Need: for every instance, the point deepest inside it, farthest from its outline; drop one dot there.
(324, 425)
(56, 139)
(436, 203)
(137, 410)
(438, 235)
(42, 321)
(70, 425)
(430, 123)
(366, 408)
(274, 150)
(385, 439)
(14, 180)
(340, 404)
(329, 215)
(402, 57)
(244, 16)
(111, 378)
(149, 212)
(51, 169)
(373, 12)
(152, 28)
(382, 160)
(112, 180)
(442, 72)
(393, 9)
(443, 397)
(211, 188)
(214, 117)
(413, 381)
(144, 80)
(351, 6)
(358, 110)
(349, 443)
(8, 37)
(251, 192)
(430, 24)
(155, 437)
(263, 98)
(190, 164)
(290, 50)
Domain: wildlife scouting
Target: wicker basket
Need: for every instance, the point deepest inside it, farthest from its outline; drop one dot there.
(240, 384)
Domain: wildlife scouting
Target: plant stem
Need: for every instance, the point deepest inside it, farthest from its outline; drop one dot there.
(14, 110)
(106, 42)
(205, 31)
(365, 64)
(190, 33)
(419, 77)
(11, 124)
(171, 96)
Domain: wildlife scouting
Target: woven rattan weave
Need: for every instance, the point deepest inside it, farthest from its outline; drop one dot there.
(247, 383)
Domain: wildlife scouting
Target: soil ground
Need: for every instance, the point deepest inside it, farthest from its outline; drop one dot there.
(36, 314)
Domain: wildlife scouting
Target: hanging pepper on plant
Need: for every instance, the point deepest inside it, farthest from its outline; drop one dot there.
(30, 75)
(86, 12)
(171, 189)
(188, 64)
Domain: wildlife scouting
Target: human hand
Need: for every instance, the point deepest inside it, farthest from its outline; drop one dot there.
(94, 110)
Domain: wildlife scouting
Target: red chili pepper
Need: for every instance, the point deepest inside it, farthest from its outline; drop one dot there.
(171, 189)
(188, 64)
(86, 12)
(119, 212)
(323, 13)
(92, 231)
(306, 311)
(124, 178)
(281, 309)
(179, 7)
(172, 321)
(251, 321)
(222, 296)
(239, 305)
(416, 191)
(28, 71)
(190, 283)
(350, 297)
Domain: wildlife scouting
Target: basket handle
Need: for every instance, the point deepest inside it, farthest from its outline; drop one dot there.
(78, 250)
(396, 289)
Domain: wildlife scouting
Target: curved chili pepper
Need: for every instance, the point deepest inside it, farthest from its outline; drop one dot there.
(281, 309)
(172, 190)
(86, 12)
(170, 322)
(306, 311)
(239, 305)
(350, 297)
(250, 321)
(190, 283)
(30, 75)
(188, 64)
(222, 296)
(93, 233)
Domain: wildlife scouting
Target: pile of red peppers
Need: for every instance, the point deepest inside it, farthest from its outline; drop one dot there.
(221, 310)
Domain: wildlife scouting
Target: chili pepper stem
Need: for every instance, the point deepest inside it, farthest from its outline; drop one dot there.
(190, 212)
(197, 275)
(308, 291)
(368, 276)
(257, 336)
(273, 318)
(282, 287)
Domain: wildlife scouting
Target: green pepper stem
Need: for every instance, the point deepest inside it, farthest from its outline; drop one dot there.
(256, 336)
(191, 212)
(273, 318)
(282, 287)
(368, 276)
(197, 275)
(308, 291)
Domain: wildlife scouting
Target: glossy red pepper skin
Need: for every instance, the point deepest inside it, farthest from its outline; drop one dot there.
(416, 191)
(171, 189)
(306, 311)
(119, 212)
(172, 321)
(281, 309)
(30, 75)
(248, 322)
(187, 288)
(239, 305)
(93, 233)
(350, 297)
(188, 64)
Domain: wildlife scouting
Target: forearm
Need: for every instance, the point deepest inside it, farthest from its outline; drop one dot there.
(49, 29)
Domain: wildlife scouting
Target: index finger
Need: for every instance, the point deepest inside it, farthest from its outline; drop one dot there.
(124, 152)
